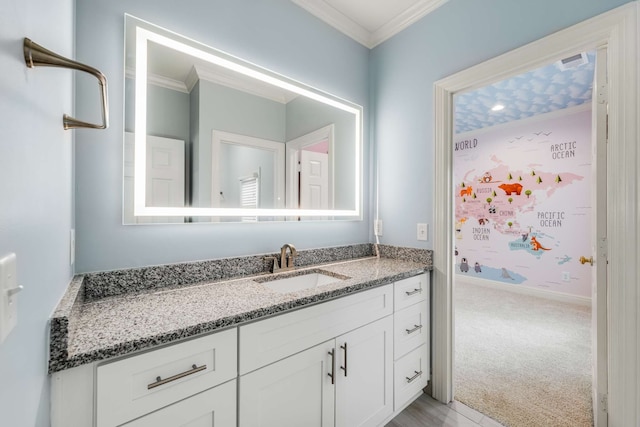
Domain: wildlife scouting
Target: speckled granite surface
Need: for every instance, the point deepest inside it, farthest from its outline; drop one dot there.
(118, 282)
(84, 329)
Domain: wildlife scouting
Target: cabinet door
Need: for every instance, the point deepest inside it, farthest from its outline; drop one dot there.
(214, 407)
(293, 392)
(364, 384)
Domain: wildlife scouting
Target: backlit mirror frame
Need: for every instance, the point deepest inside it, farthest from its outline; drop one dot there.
(146, 32)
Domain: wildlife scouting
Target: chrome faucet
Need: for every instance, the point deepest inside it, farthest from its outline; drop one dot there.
(287, 261)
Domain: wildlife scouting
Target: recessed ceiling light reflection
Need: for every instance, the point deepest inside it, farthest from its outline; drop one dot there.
(497, 107)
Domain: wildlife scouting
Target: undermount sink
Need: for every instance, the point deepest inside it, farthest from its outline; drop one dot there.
(300, 281)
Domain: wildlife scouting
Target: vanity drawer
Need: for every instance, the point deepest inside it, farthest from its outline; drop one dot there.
(129, 388)
(272, 339)
(410, 291)
(214, 407)
(411, 374)
(411, 328)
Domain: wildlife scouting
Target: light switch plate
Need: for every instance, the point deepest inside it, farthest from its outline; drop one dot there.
(8, 295)
(72, 247)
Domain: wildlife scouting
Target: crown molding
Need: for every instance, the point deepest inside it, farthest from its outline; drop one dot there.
(161, 81)
(404, 20)
(336, 19)
(341, 22)
(250, 86)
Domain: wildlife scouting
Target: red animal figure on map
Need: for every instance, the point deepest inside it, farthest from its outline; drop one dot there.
(511, 188)
(536, 246)
(466, 191)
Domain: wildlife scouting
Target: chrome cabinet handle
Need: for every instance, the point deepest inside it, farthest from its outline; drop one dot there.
(344, 368)
(409, 380)
(160, 381)
(415, 291)
(410, 331)
(332, 353)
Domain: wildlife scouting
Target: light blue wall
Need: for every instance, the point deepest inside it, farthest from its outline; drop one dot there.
(276, 34)
(230, 110)
(459, 34)
(36, 214)
(167, 111)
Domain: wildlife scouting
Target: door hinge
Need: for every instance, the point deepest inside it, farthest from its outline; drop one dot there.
(604, 402)
(602, 249)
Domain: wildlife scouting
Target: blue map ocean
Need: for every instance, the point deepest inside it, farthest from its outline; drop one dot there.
(500, 274)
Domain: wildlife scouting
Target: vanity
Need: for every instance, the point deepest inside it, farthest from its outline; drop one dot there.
(353, 350)
(341, 338)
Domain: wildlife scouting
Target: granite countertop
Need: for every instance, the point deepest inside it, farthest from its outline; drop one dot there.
(86, 330)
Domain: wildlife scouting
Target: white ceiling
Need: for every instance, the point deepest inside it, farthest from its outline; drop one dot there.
(369, 22)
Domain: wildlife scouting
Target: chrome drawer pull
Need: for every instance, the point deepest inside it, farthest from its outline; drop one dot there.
(410, 331)
(413, 377)
(415, 291)
(332, 353)
(344, 368)
(160, 381)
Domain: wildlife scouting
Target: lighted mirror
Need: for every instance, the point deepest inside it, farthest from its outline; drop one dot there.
(210, 137)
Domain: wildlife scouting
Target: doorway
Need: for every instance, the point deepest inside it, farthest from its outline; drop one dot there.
(615, 32)
(522, 192)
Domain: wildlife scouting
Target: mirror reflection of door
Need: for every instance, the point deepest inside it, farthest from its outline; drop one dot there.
(165, 177)
(314, 178)
(310, 170)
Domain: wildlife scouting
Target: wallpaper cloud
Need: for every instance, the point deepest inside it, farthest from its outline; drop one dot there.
(535, 92)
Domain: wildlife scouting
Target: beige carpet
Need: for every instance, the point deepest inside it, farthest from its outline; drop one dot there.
(522, 360)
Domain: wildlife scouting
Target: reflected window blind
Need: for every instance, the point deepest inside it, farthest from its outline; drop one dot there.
(250, 195)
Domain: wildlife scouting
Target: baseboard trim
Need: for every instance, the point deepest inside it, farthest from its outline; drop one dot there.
(551, 295)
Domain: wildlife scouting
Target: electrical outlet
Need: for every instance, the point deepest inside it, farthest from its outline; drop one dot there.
(8, 295)
(566, 276)
(377, 227)
(423, 231)
(72, 247)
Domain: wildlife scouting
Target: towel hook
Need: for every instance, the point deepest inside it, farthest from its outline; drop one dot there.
(36, 55)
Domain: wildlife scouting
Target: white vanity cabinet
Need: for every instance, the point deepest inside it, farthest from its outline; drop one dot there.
(354, 361)
(214, 407)
(188, 383)
(364, 375)
(326, 365)
(411, 352)
(137, 385)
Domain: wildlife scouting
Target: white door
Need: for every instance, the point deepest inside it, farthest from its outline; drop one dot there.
(364, 382)
(314, 180)
(293, 392)
(165, 177)
(599, 241)
(165, 174)
(214, 407)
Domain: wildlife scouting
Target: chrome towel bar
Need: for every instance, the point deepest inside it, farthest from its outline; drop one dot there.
(36, 56)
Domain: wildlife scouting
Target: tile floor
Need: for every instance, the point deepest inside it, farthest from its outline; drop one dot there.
(427, 412)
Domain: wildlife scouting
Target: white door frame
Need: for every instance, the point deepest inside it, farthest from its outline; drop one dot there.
(219, 137)
(293, 148)
(617, 30)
